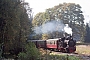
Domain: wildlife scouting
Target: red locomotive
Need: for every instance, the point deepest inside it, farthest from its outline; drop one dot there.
(62, 44)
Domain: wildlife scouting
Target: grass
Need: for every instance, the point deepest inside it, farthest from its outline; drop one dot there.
(83, 49)
(59, 57)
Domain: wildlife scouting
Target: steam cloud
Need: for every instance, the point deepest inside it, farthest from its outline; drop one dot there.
(52, 26)
(67, 29)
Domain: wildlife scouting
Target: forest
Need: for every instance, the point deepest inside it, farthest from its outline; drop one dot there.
(17, 25)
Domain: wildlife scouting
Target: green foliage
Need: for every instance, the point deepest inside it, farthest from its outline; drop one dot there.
(40, 18)
(73, 58)
(31, 53)
(22, 56)
(60, 57)
(45, 36)
(15, 25)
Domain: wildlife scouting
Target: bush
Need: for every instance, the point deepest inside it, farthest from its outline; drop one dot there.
(22, 56)
(59, 57)
(31, 53)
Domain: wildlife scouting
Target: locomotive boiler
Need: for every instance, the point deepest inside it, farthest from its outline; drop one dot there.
(60, 44)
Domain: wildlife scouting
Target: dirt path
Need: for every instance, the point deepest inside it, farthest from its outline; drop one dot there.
(81, 56)
(84, 57)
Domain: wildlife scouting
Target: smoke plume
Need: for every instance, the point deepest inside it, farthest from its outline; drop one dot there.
(49, 27)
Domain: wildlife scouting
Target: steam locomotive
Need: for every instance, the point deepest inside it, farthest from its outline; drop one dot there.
(60, 44)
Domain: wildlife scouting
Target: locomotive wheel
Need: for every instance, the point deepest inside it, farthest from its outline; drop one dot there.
(63, 51)
(55, 49)
(67, 50)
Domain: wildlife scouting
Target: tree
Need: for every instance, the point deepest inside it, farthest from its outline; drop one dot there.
(45, 36)
(68, 13)
(15, 25)
(6, 18)
(87, 38)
